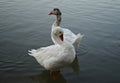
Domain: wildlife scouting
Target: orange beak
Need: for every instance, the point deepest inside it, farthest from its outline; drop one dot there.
(61, 37)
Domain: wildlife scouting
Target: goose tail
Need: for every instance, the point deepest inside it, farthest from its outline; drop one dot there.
(77, 40)
(32, 52)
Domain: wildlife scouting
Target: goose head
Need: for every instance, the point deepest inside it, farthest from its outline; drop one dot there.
(55, 11)
(58, 34)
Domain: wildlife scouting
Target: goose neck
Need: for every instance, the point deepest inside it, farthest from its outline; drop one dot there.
(57, 21)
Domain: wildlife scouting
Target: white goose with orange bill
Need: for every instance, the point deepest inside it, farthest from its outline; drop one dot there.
(55, 57)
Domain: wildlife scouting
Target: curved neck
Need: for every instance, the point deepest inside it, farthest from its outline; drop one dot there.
(57, 40)
(57, 21)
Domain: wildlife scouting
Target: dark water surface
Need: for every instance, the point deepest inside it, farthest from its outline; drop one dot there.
(24, 24)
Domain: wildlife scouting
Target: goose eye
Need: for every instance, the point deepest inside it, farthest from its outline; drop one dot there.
(60, 32)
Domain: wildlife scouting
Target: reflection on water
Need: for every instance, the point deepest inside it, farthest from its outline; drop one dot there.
(75, 65)
(45, 77)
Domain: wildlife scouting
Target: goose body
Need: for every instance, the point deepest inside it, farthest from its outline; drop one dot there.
(56, 56)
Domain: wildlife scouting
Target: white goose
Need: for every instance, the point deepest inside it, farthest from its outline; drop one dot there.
(54, 57)
(69, 36)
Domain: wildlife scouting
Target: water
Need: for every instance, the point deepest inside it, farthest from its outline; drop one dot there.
(25, 25)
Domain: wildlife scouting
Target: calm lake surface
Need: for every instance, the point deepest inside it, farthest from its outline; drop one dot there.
(25, 24)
